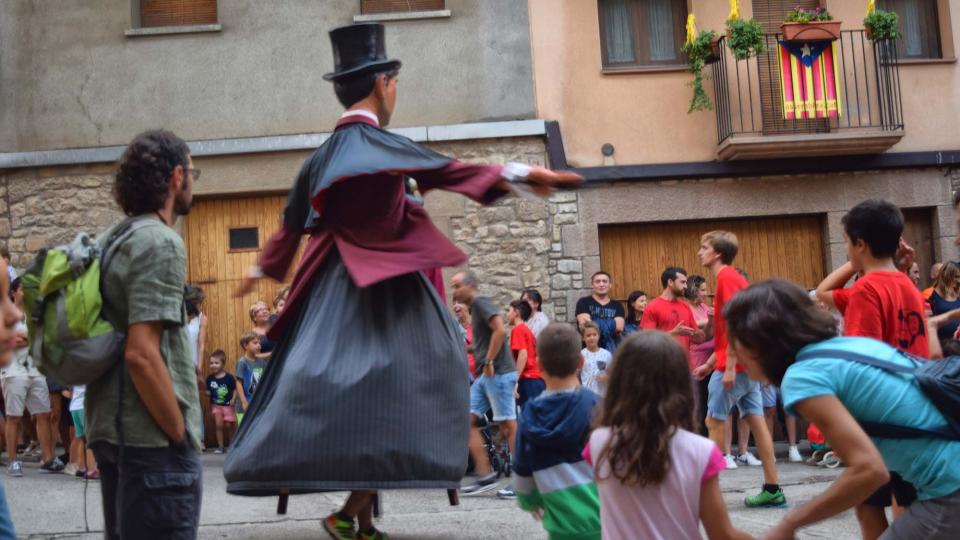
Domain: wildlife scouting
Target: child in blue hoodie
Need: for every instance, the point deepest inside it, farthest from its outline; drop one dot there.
(551, 478)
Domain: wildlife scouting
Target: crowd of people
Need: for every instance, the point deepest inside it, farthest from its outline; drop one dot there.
(601, 416)
(609, 444)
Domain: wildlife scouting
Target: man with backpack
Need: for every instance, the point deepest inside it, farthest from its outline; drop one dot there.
(143, 414)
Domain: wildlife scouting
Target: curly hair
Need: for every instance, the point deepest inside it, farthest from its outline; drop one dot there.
(648, 399)
(143, 174)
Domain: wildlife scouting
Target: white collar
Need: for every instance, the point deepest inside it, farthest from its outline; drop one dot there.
(361, 112)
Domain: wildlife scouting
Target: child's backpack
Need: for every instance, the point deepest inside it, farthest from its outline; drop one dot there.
(70, 340)
(938, 379)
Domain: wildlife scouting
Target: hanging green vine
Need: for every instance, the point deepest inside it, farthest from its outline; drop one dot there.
(698, 51)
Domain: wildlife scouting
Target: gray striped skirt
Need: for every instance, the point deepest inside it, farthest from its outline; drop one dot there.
(367, 389)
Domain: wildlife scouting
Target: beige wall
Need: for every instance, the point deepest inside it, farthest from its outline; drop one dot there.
(644, 115)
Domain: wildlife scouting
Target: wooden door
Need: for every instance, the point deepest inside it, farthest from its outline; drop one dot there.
(918, 232)
(224, 237)
(785, 247)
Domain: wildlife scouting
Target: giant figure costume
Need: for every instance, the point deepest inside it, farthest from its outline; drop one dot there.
(368, 386)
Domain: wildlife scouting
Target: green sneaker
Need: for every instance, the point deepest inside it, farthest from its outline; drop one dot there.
(765, 499)
(375, 535)
(339, 529)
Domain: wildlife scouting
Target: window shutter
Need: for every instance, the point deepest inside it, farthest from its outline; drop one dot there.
(388, 6)
(177, 12)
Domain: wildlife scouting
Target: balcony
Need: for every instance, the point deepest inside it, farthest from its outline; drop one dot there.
(750, 102)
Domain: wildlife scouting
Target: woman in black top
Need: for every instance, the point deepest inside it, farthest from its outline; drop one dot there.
(946, 297)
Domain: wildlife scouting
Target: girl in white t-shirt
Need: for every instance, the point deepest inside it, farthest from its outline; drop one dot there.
(656, 478)
(596, 361)
(82, 462)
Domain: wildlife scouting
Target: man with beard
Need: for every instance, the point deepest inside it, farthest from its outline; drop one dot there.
(143, 415)
(670, 313)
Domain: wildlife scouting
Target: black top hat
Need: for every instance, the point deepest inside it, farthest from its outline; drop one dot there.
(358, 49)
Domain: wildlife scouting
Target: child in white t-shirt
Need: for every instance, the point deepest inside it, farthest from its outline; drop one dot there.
(82, 462)
(656, 478)
(596, 361)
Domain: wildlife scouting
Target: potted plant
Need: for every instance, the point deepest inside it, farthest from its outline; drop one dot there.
(881, 24)
(699, 50)
(810, 25)
(745, 38)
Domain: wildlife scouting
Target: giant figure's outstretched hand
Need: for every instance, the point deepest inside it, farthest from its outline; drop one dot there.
(543, 181)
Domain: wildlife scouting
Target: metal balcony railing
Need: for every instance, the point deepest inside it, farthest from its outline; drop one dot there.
(749, 96)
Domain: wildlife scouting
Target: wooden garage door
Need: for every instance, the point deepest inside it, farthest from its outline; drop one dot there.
(214, 266)
(785, 247)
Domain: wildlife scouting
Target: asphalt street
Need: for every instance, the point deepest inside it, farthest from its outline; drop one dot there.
(52, 506)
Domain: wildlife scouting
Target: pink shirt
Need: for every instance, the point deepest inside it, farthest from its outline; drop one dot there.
(669, 511)
(700, 352)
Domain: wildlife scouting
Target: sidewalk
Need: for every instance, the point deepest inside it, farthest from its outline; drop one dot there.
(51, 506)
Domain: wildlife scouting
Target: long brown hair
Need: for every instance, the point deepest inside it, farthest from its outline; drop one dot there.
(947, 278)
(648, 398)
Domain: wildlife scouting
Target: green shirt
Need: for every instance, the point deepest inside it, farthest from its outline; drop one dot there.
(144, 283)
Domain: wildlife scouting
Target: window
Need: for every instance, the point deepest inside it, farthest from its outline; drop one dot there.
(920, 26)
(160, 13)
(642, 33)
(392, 6)
(244, 238)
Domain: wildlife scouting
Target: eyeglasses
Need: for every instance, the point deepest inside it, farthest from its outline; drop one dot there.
(195, 173)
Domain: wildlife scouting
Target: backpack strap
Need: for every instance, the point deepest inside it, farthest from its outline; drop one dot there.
(856, 357)
(881, 429)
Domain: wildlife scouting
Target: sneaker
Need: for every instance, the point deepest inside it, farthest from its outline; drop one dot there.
(52, 466)
(15, 469)
(71, 469)
(507, 494)
(375, 535)
(731, 462)
(747, 458)
(92, 475)
(339, 529)
(482, 485)
(794, 455)
(34, 446)
(219, 451)
(765, 499)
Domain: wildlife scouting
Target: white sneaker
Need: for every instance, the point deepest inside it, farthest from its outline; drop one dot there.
(794, 455)
(747, 458)
(731, 462)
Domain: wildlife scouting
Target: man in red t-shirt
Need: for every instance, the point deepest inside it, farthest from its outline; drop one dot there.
(524, 346)
(729, 383)
(883, 304)
(670, 313)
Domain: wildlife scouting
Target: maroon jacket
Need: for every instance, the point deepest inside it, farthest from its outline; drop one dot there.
(366, 216)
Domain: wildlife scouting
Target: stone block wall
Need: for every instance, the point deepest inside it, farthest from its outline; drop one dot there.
(48, 207)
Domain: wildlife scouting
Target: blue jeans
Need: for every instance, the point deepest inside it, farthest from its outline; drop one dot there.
(745, 394)
(6, 524)
(494, 393)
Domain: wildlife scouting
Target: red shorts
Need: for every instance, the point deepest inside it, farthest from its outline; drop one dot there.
(228, 413)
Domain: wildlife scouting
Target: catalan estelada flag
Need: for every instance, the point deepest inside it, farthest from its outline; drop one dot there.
(809, 80)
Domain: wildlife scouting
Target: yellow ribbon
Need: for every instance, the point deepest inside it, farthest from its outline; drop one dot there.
(691, 29)
(735, 10)
(870, 7)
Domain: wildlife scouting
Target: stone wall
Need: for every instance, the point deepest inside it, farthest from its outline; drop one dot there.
(49, 207)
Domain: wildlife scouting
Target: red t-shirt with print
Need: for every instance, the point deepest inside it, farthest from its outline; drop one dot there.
(885, 305)
(522, 339)
(729, 283)
(665, 315)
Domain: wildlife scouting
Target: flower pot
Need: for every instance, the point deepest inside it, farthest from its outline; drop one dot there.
(714, 51)
(813, 31)
(868, 30)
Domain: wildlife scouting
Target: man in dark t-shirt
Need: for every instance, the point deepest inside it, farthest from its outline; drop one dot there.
(496, 377)
(602, 310)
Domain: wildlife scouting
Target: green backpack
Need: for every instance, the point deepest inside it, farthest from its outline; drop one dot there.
(70, 340)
